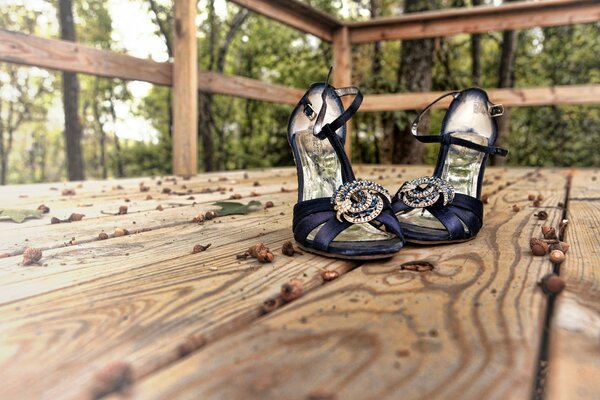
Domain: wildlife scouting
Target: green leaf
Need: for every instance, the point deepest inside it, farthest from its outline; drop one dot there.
(234, 208)
(19, 215)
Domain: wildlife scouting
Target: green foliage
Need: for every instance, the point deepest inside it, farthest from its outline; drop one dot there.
(19, 215)
(235, 208)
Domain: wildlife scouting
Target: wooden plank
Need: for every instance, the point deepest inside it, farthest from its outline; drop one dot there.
(533, 96)
(14, 284)
(521, 15)
(62, 55)
(139, 298)
(574, 363)
(142, 214)
(295, 14)
(247, 88)
(185, 94)
(468, 329)
(342, 75)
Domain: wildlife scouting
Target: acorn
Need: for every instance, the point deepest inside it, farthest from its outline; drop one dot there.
(55, 220)
(256, 249)
(557, 256)
(552, 284)
(211, 215)
(198, 218)
(288, 249)
(562, 246)
(540, 197)
(269, 204)
(76, 217)
(265, 256)
(112, 378)
(292, 290)
(329, 275)
(531, 197)
(200, 248)
(31, 255)
(102, 236)
(549, 232)
(122, 210)
(538, 247)
(121, 232)
(516, 208)
(44, 208)
(536, 203)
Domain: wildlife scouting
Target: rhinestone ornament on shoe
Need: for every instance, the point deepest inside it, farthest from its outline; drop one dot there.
(426, 191)
(358, 202)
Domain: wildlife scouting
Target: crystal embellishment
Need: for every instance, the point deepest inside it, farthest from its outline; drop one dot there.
(358, 202)
(426, 191)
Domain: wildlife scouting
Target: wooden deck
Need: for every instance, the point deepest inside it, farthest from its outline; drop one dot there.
(207, 325)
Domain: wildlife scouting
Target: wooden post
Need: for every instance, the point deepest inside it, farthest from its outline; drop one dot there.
(342, 73)
(185, 89)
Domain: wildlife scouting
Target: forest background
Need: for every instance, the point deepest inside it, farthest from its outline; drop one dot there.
(56, 126)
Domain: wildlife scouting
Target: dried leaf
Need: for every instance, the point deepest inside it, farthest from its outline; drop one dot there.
(19, 215)
(235, 208)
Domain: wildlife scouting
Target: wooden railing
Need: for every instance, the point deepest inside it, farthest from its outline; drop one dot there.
(184, 76)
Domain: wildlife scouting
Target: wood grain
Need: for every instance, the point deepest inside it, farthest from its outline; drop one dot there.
(520, 15)
(295, 14)
(342, 75)
(140, 298)
(185, 94)
(574, 364)
(533, 96)
(178, 208)
(468, 329)
(63, 55)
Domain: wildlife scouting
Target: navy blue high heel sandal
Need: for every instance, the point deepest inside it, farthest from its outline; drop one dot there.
(446, 207)
(336, 215)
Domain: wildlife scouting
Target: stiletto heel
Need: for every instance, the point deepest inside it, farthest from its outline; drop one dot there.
(446, 207)
(336, 215)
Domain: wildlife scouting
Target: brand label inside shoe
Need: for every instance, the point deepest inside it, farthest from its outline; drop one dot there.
(479, 108)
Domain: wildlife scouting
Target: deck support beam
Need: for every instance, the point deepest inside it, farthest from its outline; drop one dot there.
(342, 74)
(185, 92)
(518, 15)
(296, 14)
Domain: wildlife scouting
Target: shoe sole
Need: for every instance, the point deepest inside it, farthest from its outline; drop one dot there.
(343, 257)
(433, 242)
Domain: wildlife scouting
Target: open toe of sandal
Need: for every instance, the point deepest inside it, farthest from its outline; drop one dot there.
(446, 207)
(336, 214)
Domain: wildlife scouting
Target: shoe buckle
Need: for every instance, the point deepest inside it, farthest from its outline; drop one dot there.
(496, 110)
(309, 111)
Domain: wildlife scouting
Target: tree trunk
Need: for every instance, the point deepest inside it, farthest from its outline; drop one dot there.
(414, 75)
(506, 79)
(70, 86)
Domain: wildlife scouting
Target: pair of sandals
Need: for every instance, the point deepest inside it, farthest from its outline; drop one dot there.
(342, 217)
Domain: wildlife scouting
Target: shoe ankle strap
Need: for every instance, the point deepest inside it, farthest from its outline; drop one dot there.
(495, 110)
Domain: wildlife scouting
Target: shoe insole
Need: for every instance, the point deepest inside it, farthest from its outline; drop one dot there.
(470, 121)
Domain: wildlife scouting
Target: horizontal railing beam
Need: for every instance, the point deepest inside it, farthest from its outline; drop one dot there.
(20, 48)
(295, 14)
(533, 96)
(511, 16)
(62, 55)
